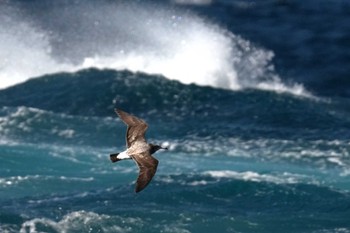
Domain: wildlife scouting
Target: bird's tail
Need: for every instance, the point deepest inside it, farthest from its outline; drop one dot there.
(114, 157)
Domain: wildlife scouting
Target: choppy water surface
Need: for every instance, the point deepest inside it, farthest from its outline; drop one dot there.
(251, 98)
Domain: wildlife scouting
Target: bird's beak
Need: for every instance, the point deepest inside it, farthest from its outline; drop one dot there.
(165, 148)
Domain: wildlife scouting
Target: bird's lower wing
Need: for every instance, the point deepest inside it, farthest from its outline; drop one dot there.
(148, 167)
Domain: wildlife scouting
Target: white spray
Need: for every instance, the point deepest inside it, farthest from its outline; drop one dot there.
(170, 42)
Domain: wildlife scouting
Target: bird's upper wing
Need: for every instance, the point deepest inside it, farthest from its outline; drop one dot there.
(147, 166)
(136, 127)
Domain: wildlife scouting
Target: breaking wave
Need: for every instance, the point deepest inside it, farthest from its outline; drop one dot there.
(168, 41)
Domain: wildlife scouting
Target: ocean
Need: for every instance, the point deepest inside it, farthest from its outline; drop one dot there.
(251, 98)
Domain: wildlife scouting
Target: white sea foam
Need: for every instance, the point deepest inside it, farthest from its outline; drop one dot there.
(24, 49)
(285, 178)
(319, 154)
(25, 119)
(178, 45)
(334, 230)
(176, 179)
(193, 2)
(5, 141)
(66, 133)
(83, 221)
(15, 180)
(251, 176)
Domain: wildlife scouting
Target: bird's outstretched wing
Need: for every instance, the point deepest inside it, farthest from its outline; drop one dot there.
(136, 127)
(147, 166)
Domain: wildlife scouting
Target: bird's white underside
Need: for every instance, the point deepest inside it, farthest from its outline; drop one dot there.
(123, 155)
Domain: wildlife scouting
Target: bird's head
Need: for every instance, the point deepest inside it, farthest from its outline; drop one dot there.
(155, 148)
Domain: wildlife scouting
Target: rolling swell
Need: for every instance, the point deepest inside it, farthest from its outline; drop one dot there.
(76, 109)
(95, 93)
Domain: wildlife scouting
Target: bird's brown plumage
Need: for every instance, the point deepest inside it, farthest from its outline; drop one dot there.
(138, 149)
(136, 127)
(148, 167)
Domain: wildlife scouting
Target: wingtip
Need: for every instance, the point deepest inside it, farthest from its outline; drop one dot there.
(140, 187)
(137, 191)
(118, 111)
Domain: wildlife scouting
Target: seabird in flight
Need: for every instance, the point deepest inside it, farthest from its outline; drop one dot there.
(138, 149)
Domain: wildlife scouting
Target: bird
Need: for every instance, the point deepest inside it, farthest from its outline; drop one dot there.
(138, 149)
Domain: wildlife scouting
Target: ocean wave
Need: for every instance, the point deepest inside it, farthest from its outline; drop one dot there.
(320, 153)
(25, 51)
(82, 221)
(177, 44)
(152, 94)
(212, 177)
(285, 178)
(179, 202)
(32, 125)
(78, 134)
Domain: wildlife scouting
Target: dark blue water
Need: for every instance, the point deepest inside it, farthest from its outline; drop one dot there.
(251, 97)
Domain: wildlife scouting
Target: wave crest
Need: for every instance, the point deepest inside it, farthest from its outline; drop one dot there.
(167, 41)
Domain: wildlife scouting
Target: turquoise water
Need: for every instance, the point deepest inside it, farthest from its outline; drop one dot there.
(226, 170)
(258, 140)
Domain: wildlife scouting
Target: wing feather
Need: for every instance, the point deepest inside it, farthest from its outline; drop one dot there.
(147, 169)
(136, 127)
